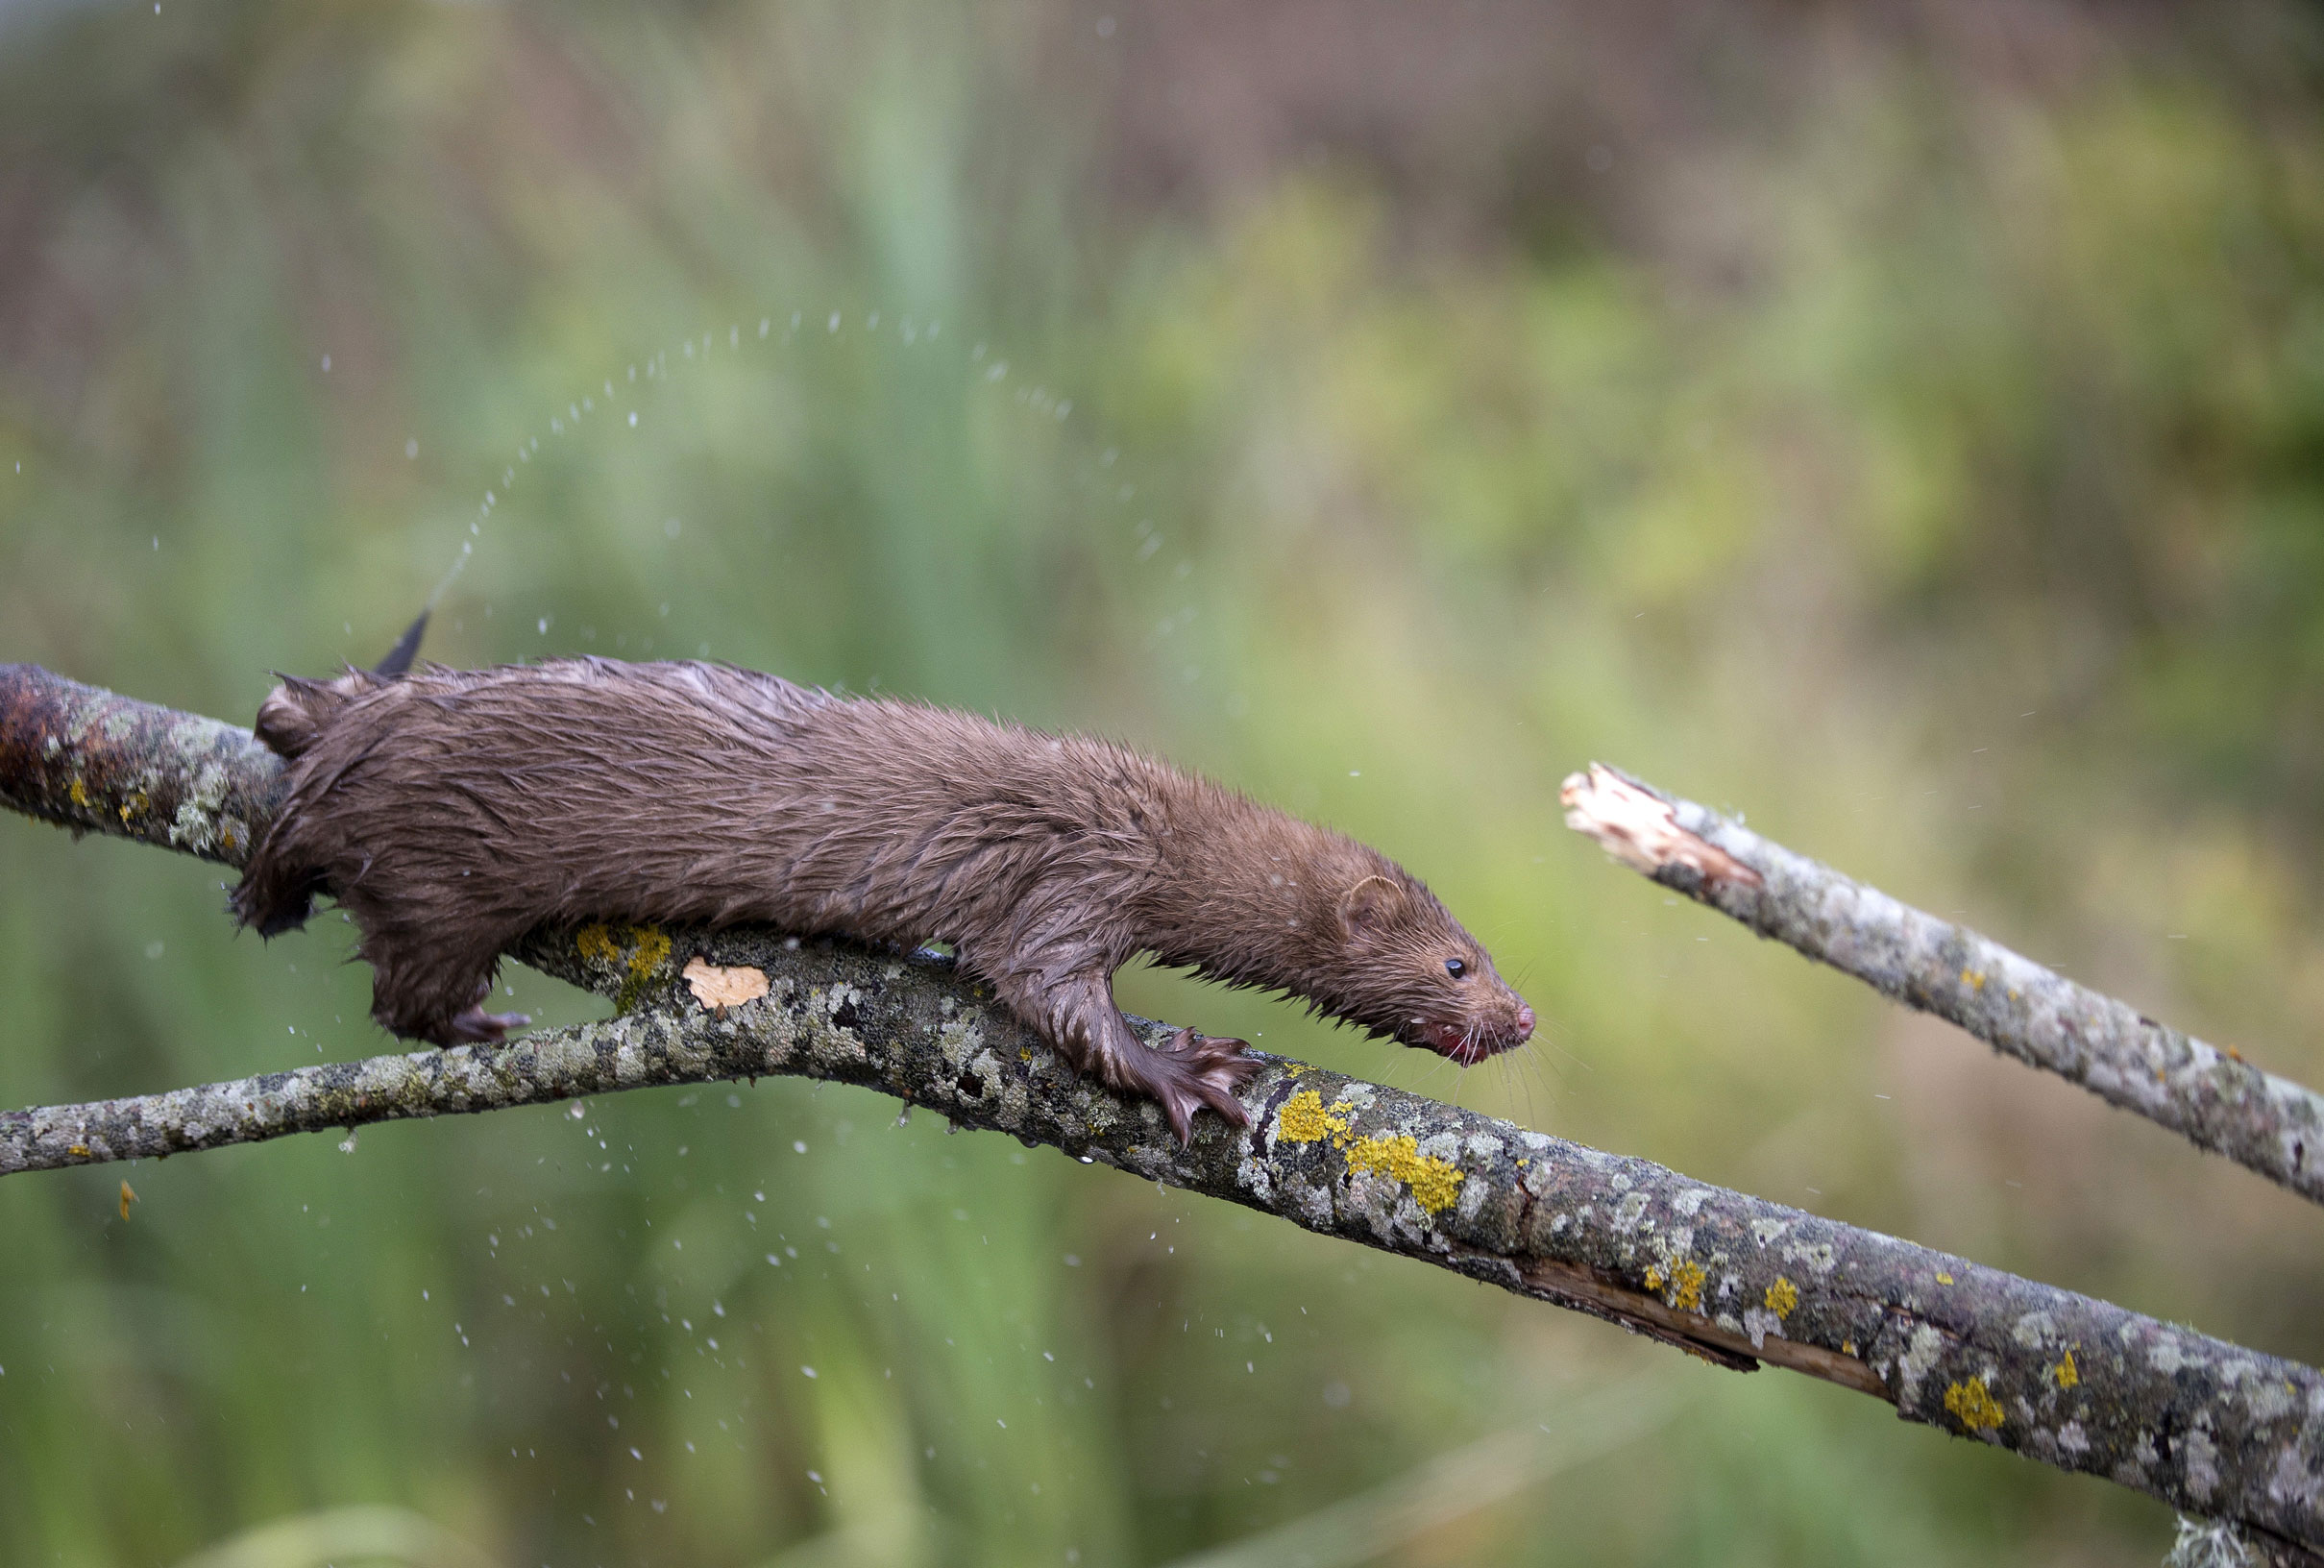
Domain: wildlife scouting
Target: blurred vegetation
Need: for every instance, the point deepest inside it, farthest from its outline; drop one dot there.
(1906, 426)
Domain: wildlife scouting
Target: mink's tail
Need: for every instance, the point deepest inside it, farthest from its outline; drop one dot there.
(407, 647)
(276, 893)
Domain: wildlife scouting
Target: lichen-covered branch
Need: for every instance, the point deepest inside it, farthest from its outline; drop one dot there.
(97, 762)
(2209, 1096)
(2072, 1381)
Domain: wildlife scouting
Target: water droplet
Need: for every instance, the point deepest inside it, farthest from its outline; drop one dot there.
(764, 324)
(543, 625)
(633, 419)
(327, 362)
(833, 324)
(411, 448)
(809, 1371)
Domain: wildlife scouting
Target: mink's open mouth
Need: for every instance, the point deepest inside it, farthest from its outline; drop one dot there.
(1466, 1046)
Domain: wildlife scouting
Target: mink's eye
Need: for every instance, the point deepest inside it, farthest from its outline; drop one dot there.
(1454, 968)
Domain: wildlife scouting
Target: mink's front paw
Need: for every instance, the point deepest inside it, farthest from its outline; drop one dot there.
(1198, 1070)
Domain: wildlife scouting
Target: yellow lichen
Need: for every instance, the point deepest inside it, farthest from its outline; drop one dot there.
(1943, 1277)
(653, 948)
(649, 949)
(1436, 1182)
(1975, 1407)
(1975, 979)
(1303, 1119)
(1306, 1119)
(1653, 1278)
(2065, 1372)
(1782, 1296)
(1686, 1285)
(80, 793)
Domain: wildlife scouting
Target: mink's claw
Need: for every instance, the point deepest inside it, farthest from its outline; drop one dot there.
(1203, 1070)
(486, 1028)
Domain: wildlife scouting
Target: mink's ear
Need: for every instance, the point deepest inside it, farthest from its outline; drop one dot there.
(1369, 905)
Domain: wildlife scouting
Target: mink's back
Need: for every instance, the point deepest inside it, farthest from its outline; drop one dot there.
(461, 808)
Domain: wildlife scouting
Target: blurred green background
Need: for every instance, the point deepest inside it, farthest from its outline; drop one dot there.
(1905, 424)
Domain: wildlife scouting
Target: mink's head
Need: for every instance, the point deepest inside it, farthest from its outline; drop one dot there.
(1404, 969)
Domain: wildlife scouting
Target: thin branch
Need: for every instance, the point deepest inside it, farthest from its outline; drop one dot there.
(2211, 1096)
(2074, 1382)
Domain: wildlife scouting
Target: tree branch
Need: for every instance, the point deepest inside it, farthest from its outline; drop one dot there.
(2070, 1381)
(2211, 1096)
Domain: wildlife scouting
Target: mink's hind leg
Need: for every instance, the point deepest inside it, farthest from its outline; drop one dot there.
(428, 994)
(1077, 1017)
(472, 1023)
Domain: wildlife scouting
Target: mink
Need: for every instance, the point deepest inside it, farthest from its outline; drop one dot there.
(449, 812)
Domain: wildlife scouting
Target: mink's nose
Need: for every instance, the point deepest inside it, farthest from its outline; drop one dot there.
(1524, 1023)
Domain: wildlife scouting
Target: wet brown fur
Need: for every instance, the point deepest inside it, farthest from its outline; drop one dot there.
(452, 811)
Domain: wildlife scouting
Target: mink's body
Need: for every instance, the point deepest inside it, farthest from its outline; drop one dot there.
(452, 811)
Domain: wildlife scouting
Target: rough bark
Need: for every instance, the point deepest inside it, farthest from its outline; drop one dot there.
(93, 761)
(2209, 1095)
(2070, 1381)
